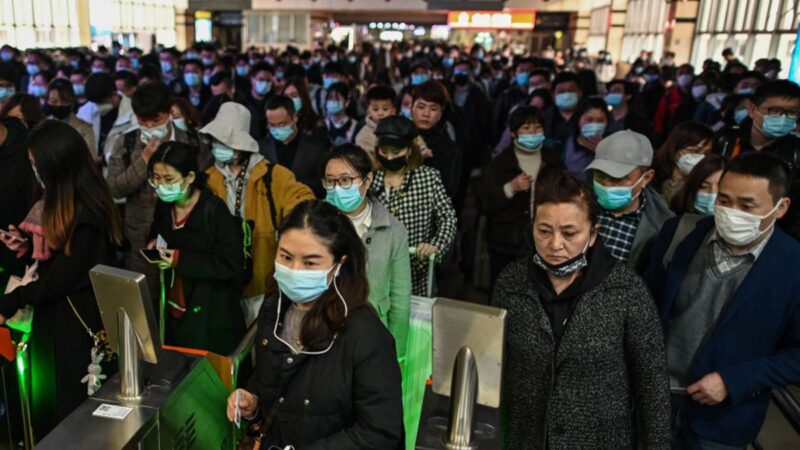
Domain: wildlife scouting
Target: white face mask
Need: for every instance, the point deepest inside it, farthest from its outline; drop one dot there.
(738, 227)
(687, 162)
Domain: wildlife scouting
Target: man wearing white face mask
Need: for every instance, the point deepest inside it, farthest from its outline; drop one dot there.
(730, 308)
(127, 167)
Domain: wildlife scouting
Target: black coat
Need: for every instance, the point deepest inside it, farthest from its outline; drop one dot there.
(348, 398)
(210, 263)
(446, 157)
(60, 346)
(307, 159)
(509, 219)
(473, 136)
(16, 185)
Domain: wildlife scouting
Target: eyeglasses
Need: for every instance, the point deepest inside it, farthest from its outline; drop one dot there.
(155, 183)
(778, 111)
(344, 182)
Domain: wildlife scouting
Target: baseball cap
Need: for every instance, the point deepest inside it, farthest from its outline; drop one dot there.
(618, 154)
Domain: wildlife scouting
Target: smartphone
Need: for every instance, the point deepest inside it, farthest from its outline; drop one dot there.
(674, 390)
(153, 256)
(13, 236)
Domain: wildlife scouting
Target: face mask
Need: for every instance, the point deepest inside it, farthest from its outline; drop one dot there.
(351, 59)
(171, 193)
(684, 80)
(699, 91)
(745, 91)
(302, 286)
(419, 78)
(32, 69)
(523, 78)
(134, 63)
(448, 62)
(206, 79)
(687, 162)
(406, 112)
(241, 71)
(651, 78)
(614, 100)
(6, 93)
(530, 142)
(191, 79)
(298, 104)
(778, 126)
(79, 89)
(158, 133)
(97, 70)
(327, 82)
(208, 61)
(616, 197)
(740, 115)
(591, 130)
(222, 153)
(334, 107)
(6, 56)
(638, 70)
(166, 66)
(262, 87)
(771, 75)
(104, 108)
(282, 133)
(566, 268)
(59, 112)
(738, 227)
(38, 177)
(347, 200)
(704, 203)
(38, 91)
(180, 124)
(566, 100)
(191, 55)
(392, 165)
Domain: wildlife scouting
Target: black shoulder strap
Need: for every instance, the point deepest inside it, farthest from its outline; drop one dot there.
(208, 213)
(270, 199)
(130, 143)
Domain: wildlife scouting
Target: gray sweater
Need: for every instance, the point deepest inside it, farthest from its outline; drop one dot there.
(608, 372)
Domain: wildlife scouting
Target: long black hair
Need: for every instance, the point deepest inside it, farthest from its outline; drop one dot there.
(336, 231)
(183, 158)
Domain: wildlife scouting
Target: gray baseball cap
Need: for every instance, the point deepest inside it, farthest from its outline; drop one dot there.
(618, 154)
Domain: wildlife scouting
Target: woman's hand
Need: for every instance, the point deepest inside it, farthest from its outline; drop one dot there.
(167, 258)
(522, 182)
(14, 245)
(424, 251)
(151, 245)
(248, 404)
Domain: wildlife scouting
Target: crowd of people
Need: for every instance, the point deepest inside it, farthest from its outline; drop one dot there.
(641, 231)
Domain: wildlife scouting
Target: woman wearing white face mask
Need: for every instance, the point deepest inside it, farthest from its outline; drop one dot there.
(686, 146)
(579, 322)
(326, 370)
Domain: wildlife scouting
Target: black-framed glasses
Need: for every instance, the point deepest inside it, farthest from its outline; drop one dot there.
(344, 182)
(791, 113)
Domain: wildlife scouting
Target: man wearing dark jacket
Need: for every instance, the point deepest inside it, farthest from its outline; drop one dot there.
(619, 96)
(191, 86)
(511, 96)
(16, 185)
(287, 146)
(471, 113)
(773, 116)
(730, 307)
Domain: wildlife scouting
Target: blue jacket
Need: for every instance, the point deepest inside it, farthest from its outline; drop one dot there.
(755, 345)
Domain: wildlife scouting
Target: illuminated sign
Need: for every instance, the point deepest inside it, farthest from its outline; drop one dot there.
(507, 20)
(202, 15)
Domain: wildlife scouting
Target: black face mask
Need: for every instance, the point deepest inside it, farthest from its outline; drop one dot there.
(461, 79)
(59, 112)
(392, 165)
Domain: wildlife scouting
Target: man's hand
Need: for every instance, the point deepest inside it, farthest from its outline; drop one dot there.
(710, 390)
(149, 149)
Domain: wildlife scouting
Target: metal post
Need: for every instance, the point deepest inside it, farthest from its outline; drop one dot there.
(463, 395)
(130, 368)
(23, 361)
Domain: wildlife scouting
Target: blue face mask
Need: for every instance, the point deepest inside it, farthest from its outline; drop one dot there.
(591, 130)
(778, 126)
(262, 87)
(347, 200)
(7, 56)
(241, 71)
(327, 82)
(171, 193)
(530, 142)
(746, 91)
(191, 79)
(614, 100)
(282, 133)
(448, 62)
(97, 70)
(523, 78)
(704, 203)
(180, 124)
(166, 66)
(406, 112)
(566, 100)
(135, 63)
(32, 69)
(75, 64)
(208, 61)
(298, 104)
(79, 89)
(616, 197)
(191, 55)
(334, 107)
(206, 79)
(6, 93)
(302, 286)
(419, 78)
(739, 115)
(222, 153)
(158, 133)
(38, 91)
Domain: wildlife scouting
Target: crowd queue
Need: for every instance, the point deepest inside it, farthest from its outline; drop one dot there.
(641, 231)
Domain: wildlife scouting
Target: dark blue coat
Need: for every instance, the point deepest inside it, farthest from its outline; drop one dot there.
(755, 345)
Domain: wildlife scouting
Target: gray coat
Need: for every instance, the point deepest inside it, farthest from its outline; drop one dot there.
(608, 372)
(656, 212)
(389, 273)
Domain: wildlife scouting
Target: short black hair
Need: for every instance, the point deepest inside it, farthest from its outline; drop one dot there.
(262, 66)
(556, 185)
(223, 76)
(381, 92)
(354, 155)
(130, 79)
(777, 88)
(763, 165)
(193, 62)
(333, 68)
(9, 73)
(151, 99)
(99, 86)
(566, 77)
(180, 156)
(280, 101)
(523, 115)
(341, 88)
(585, 105)
(625, 86)
(544, 73)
